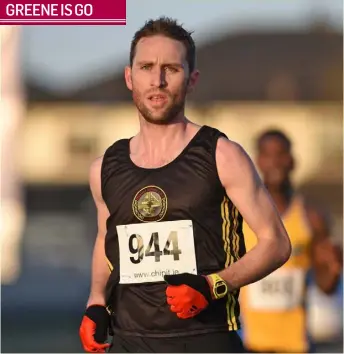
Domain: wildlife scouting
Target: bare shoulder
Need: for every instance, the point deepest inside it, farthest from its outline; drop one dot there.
(97, 163)
(233, 161)
(95, 177)
(230, 151)
(95, 167)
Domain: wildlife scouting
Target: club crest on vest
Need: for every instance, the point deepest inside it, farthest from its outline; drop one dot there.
(150, 204)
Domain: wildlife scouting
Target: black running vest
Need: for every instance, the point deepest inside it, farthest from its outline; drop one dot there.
(188, 188)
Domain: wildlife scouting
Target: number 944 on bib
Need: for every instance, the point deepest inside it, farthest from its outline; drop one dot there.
(148, 251)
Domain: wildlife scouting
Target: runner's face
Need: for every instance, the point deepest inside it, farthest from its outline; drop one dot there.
(274, 161)
(159, 78)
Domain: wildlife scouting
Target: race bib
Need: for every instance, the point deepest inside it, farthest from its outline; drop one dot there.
(281, 290)
(148, 251)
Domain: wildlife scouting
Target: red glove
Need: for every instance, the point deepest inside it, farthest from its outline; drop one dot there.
(94, 329)
(189, 294)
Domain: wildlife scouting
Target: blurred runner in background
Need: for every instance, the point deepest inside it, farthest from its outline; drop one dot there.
(273, 309)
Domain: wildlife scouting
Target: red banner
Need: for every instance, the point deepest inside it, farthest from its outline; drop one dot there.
(63, 12)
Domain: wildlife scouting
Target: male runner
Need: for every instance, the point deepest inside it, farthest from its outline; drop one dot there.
(273, 309)
(171, 201)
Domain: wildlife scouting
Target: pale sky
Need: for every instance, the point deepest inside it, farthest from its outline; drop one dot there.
(62, 57)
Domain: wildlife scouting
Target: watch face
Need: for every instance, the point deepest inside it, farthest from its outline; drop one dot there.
(221, 289)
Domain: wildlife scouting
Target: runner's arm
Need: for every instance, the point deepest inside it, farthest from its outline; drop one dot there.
(100, 270)
(326, 257)
(247, 192)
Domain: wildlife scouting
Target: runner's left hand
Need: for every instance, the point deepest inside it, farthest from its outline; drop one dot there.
(187, 294)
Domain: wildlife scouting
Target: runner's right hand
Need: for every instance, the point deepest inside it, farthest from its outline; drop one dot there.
(94, 329)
